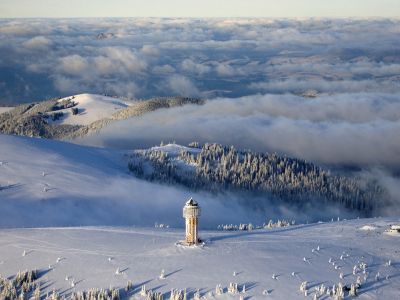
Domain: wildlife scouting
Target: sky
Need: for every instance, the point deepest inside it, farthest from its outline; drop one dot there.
(204, 8)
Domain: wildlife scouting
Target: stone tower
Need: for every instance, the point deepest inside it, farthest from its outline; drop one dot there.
(191, 212)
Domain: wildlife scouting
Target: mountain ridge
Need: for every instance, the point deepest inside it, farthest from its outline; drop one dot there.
(79, 115)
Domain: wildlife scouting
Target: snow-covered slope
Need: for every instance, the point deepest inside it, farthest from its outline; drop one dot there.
(45, 183)
(173, 149)
(4, 109)
(91, 108)
(91, 255)
(53, 183)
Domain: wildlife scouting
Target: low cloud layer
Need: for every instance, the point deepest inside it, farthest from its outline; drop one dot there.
(126, 202)
(354, 130)
(347, 129)
(209, 58)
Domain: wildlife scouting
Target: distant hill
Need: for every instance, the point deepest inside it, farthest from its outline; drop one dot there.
(265, 176)
(78, 115)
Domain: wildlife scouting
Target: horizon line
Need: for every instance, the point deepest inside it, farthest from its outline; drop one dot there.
(213, 17)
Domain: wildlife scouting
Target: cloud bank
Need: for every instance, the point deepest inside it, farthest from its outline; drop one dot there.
(347, 129)
(354, 132)
(208, 58)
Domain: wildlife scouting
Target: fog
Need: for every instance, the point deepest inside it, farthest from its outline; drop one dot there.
(347, 129)
(342, 130)
(129, 201)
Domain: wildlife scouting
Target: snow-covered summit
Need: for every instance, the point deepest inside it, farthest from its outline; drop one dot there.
(264, 263)
(51, 183)
(91, 108)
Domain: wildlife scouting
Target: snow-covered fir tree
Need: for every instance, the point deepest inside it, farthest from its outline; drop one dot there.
(219, 168)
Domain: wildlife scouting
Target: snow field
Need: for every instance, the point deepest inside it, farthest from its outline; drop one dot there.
(269, 263)
(91, 108)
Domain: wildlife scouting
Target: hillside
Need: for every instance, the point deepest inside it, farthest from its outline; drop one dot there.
(90, 108)
(53, 183)
(78, 115)
(270, 263)
(217, 168)
(4, 109)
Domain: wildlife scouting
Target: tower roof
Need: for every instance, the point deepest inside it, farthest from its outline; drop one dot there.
(191, 202)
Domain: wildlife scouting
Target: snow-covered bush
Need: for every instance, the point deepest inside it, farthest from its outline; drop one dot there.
(177, 295)
(233, 288)
(219, 290)
(129, 286)
(196, 295)
(303, 286)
